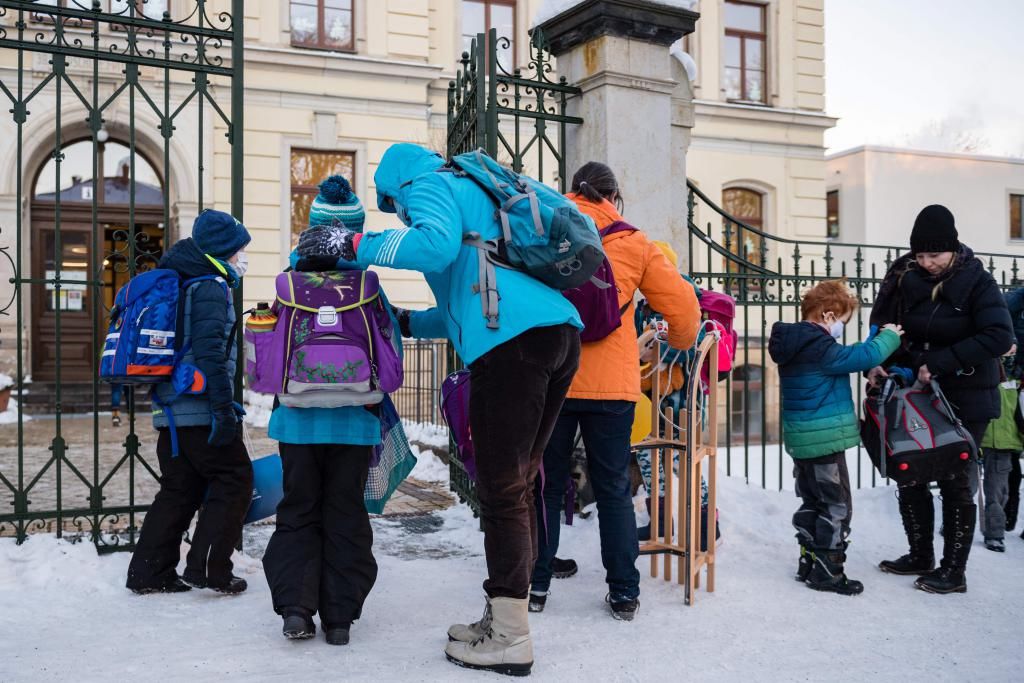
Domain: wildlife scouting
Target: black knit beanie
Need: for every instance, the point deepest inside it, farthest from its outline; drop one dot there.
(934, 231)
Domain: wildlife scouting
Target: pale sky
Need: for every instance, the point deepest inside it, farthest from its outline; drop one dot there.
(930, 74)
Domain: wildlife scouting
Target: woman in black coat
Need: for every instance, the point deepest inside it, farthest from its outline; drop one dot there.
(956, 327)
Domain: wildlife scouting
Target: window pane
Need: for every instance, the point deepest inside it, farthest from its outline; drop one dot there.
(308, 169)
(744, 205)
(503, 20)
(832, 213)
(732, 84)
(338, 27)
(744, 17)
(1016, 216)
(301, 202)
(74, 274)
(473, 18)
(304, 22)
(754, 54)
(732, 51)
(755, 86)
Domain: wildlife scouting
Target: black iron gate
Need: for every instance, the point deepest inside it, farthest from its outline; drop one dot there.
(161, 84)
(517, 117)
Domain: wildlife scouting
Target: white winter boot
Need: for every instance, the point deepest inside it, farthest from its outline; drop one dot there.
(467, 633)
(505, 647)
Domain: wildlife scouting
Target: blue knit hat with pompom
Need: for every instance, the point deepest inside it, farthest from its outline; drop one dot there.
(337, 203)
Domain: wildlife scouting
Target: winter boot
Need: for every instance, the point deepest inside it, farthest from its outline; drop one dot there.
(958, 522)
(336, 634)
(298, 627)
(623, 609)
(827, 574)
(174, 585)
(467, 633)
(233, 586)
(995, 545)
(918, 515)
(803, 567)
(505, 647)
(538, 601)
(563, 569)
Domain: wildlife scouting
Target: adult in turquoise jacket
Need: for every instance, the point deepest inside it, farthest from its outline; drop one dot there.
(520, 371)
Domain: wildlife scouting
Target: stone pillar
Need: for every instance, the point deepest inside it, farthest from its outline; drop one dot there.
(617, 51)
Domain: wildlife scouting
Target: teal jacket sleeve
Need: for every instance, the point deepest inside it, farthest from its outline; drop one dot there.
(428, 324)
(843, 360)
(432, 241)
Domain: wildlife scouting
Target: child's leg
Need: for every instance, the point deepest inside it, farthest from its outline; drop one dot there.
(292, 561)
(348, 568)
(1013, 499)
(997, 490)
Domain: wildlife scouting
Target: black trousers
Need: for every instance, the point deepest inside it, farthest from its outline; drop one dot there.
(823, 484)
(516, 393)
(959, 490)
(320, 558)
(224, 477)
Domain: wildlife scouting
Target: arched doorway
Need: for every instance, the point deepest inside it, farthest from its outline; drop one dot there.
(103, 239)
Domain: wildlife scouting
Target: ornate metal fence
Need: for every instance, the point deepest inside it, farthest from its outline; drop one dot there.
(517, 117)
(162, 84)
(766, 274)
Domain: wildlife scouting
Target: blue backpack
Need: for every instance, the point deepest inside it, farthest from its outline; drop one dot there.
(543, 234)
(142, 346)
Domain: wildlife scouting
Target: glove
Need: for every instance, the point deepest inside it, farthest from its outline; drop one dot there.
(224, 428)
(404, 317)
(336, 241)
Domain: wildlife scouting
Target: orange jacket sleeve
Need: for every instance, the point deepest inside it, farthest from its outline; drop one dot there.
(673, 297)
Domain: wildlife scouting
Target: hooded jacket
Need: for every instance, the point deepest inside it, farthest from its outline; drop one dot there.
(610, 367)
(1002, 433)
(818, 415)
(437, 209)
(960, 334)
(209, 315)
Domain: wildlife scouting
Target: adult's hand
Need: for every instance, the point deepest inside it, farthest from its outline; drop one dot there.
(924, 375)
(647, 345)
(876, 375)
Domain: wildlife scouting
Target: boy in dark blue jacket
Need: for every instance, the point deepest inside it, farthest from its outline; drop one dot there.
(820, 424)
(212, 461)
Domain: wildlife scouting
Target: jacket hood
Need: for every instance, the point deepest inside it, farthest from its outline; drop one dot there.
(788, 340)
(189, 261)
(400, 165)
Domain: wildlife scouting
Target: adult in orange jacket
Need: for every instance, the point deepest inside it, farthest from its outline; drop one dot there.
(603, 396)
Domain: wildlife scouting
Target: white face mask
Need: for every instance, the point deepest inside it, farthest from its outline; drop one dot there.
(240, 264)
(836, 329)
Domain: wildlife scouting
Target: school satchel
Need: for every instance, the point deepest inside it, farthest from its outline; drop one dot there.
(913, 436)
(327, 342)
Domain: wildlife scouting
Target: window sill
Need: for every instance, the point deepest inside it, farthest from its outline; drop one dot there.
(751, 103)
(320, 48)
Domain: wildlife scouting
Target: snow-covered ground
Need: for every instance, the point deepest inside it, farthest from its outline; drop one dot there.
(66, 615)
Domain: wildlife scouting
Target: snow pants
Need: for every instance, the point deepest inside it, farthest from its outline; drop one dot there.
(823, 484)
(320, 558)
(516, 392)
(997, 490)
(219, 480)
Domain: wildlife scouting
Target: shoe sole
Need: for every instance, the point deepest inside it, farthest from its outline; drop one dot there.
(566, 575)
(826, 589)
(504, 669)
(916, 572)
(929, 589)
(153, 591)
(202, 585)
(299, 635)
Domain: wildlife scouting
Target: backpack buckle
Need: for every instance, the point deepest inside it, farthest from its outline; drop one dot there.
(327, 316)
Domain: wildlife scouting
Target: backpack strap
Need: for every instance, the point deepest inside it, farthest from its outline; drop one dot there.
(487, 281)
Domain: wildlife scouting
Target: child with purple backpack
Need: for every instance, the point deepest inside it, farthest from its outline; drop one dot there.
(320, 558)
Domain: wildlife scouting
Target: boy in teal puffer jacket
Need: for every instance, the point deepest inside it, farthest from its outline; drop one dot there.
(320, 558)
(820, 424)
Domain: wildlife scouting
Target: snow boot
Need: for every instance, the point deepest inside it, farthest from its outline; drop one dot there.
(623, 609)
(467, 633)
(175, 585)
(563, 569)
(827, 574)
(958, 523)
(918, 515)
(337, 634)
(804, 564)
(232, 586)
(538, 601)
(298, 627)
(995, 545)
(505, 647)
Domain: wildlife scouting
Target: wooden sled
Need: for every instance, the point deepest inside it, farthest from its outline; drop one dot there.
(692, 440)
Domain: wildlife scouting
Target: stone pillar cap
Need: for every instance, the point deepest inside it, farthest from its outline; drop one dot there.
(646, 20)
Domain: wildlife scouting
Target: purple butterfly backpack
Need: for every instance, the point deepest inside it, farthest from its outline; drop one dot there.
(328, 342)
